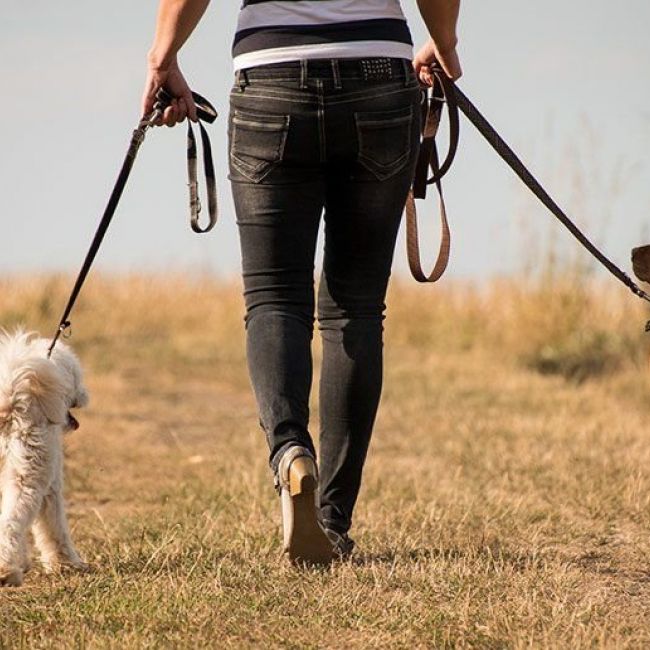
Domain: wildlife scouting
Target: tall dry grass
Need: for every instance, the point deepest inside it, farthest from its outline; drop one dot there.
(565, 323)
(570, 326)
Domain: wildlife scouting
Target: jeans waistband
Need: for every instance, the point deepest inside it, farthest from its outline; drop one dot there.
(334, 70)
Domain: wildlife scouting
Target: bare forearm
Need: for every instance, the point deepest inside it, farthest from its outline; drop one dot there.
(441, 17)
(176, 21)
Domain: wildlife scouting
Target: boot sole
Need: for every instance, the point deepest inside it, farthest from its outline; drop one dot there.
(308, 543)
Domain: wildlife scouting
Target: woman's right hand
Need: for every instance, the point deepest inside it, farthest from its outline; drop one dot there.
(430, 53)
(173, 81)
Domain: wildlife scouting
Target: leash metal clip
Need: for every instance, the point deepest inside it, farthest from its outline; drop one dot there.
(150, 121)
(195, 201)
(65, 331)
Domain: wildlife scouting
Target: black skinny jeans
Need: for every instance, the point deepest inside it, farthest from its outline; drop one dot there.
(338, 137)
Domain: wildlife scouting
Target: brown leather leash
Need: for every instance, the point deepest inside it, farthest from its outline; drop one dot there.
(445, 91)
(431, 114)
(206, 113)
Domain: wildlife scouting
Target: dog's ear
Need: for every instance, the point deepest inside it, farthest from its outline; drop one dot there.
(5, 409)
(68, 364)
(48, 387)
(82, 398)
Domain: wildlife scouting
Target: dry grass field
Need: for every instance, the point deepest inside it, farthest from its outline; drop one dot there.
(506, 501)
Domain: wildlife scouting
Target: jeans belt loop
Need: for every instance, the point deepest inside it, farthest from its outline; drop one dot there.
(303, 74)
(242, 80)
(405, 66)
(336, 74)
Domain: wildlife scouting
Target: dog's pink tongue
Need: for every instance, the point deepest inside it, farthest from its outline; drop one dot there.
(72, 421)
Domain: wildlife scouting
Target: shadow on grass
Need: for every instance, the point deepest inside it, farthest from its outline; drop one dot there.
(492, 554)
(603, 564)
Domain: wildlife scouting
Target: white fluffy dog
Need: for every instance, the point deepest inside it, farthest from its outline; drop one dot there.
(36, 395)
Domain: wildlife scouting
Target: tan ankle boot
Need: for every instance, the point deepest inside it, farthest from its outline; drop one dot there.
(304, 539)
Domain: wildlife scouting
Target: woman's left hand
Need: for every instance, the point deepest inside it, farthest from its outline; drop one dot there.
(430, 53)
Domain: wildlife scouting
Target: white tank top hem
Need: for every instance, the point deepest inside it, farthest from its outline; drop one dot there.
(354, 50)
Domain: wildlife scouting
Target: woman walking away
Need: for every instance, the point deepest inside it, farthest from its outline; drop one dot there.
(324, 119)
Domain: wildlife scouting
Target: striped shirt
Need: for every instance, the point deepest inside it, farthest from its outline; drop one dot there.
(276, 31)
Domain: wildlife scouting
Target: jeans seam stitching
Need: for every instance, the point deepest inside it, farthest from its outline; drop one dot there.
(321, 122)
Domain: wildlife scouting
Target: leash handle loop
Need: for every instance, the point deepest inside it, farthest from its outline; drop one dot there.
(431, 113)
(443, 92)
(205, 111)
(193, 184)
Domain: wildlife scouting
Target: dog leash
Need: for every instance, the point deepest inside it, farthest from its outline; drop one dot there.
(206, 113)
(430, 114)
(447, 92)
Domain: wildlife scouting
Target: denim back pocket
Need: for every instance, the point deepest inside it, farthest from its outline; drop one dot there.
(384, 140)
(257, 143)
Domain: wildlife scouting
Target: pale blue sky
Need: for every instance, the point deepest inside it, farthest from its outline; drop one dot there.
(566, 83)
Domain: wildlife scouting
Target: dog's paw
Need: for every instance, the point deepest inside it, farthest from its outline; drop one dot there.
(66, 566)
(78, 567)
(10, 576)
